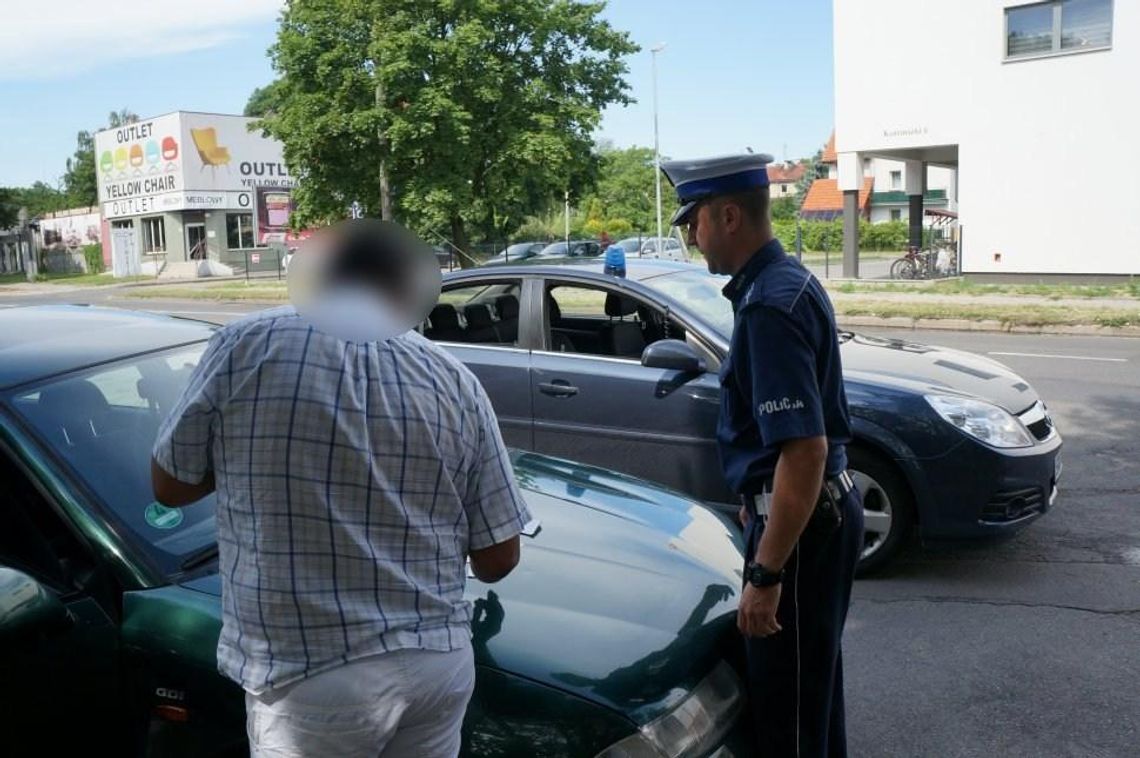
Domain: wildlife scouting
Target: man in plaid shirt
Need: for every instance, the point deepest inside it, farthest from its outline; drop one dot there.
(354, 479)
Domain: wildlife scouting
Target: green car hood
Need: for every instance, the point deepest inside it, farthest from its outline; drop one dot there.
(625, 595)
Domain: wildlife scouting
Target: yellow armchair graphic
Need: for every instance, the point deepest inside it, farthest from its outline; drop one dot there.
(211, 153)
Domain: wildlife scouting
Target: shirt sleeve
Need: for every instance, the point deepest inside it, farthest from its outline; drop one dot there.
(183, 446)
(494, 504)
(781, 362)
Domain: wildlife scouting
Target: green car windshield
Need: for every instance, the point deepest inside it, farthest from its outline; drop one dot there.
(102, 422)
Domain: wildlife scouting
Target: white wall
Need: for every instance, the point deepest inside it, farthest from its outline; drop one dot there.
(1045, 146)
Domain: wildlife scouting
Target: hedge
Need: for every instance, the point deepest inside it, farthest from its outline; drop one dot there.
(827, 236)
(93, 254)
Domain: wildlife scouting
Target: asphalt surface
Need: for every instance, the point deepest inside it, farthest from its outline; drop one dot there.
(1026, 647)
(1031, 646)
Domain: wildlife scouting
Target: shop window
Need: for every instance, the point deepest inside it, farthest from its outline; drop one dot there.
(239, 230)
(154, 235)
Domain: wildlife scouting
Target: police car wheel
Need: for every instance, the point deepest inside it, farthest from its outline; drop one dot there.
(888, 508)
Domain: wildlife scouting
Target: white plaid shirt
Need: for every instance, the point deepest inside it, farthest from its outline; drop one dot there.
(352, 480)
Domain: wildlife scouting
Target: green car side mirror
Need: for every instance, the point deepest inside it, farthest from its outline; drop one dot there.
(27, 608)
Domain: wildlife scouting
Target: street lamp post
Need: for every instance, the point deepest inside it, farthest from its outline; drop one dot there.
(656, 146)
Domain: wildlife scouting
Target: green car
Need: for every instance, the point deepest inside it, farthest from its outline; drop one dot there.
(614, 637)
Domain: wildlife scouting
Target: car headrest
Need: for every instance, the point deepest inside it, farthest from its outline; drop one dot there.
(507, 306)
(73, 405)
(478, 315)
(618, 306)
(444, 316)
(555, 311)
(74, 398)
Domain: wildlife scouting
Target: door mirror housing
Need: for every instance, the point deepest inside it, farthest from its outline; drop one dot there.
(673, 355)
(27, 608)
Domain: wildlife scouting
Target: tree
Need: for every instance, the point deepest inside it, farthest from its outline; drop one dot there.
(785, 208)
(40, 198)
(813, 169)
(626, 188)
(478, 112)
(9, 208)
(263, 100)
(80, 181)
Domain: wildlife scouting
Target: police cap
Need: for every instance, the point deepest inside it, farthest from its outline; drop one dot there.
(702, 178)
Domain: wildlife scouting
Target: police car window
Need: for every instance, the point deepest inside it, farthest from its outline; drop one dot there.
(700, 292)
(596, 321)
(485, 314)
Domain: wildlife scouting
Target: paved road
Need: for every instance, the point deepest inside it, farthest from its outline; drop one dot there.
(1030, 647)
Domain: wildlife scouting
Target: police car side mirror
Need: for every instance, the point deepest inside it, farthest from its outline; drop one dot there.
(673, 355)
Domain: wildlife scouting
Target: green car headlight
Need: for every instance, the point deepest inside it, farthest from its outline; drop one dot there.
(981, 420)
(694, 727)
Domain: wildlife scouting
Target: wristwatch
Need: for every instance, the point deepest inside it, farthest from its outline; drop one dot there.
(758, 576)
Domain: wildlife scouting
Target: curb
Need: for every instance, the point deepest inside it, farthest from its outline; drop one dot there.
(964, 325)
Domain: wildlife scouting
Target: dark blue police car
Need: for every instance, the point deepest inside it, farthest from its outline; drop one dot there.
(622, 373)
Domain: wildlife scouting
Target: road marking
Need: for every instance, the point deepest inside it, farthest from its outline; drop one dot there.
(1063, 357)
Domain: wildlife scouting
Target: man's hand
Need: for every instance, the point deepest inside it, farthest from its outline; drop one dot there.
(756, 616)
(174, 493)
(742, 516)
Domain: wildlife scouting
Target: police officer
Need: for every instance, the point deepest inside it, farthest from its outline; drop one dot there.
(782, 435)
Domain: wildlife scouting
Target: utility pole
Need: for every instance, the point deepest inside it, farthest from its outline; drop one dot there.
(385, 191)
(656, 146)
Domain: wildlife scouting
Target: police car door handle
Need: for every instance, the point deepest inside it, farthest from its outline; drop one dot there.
(558, 388)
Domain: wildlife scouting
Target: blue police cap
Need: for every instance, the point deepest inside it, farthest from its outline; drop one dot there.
(702, 178)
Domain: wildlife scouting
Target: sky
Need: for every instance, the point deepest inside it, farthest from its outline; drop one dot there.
(734, 74)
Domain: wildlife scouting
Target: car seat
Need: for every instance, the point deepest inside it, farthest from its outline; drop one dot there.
(445, 324)
(508, 308)
(623, 339)
(481, 326)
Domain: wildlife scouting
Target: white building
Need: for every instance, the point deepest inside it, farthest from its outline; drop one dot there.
(1031, 103)
(882, 198)
(191, 186)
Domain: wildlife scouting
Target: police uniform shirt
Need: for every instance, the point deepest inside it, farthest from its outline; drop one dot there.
(783, 379)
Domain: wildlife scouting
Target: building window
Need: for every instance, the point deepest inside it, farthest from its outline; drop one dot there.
(154, 235)
(896, 214)
(896, 180)
(1059, 26)
(239, 230)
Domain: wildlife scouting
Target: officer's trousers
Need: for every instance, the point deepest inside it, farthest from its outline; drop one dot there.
(796, 675)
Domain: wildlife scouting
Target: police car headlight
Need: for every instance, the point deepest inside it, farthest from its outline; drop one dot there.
(984, 421)
(694, 727)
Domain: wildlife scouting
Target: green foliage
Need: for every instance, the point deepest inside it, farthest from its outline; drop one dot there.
(263, 101)
(93, 254)
(891, 235)
(480, 111)
(624, 197)
(80, 180)
(827, 236)
(785, 208)
(9, 208)
(39, 199)
(815, 170)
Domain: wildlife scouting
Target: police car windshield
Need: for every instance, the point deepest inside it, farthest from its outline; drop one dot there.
(700, 292)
